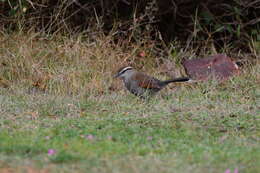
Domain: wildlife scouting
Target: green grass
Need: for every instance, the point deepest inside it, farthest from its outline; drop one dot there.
(179, 131)
(56, 93)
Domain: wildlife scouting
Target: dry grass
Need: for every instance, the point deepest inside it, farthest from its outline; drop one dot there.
(74, 65)
(57, 90)
(63, 65)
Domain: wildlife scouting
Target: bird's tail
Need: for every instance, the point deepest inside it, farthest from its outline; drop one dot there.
(181, 79)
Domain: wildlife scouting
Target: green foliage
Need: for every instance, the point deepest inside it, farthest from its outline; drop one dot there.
(63, 157)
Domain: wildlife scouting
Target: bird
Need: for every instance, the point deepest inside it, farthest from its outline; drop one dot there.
(141, 84)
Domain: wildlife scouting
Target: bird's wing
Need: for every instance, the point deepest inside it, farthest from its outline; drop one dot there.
(145, 81)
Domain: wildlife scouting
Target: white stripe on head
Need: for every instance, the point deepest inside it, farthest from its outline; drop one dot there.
(125, 69)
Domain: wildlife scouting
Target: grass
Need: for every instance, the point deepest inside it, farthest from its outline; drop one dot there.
(57, 97)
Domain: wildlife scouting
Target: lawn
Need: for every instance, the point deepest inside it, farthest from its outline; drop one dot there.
(199, 127)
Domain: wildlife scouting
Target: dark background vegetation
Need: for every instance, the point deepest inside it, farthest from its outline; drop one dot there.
(193, 23)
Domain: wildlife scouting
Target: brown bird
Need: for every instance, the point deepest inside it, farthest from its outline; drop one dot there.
(141, 84)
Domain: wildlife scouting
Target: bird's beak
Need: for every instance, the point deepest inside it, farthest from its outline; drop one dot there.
(116, 76)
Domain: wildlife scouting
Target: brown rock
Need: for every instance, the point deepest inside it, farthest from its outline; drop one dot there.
(218, 66)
